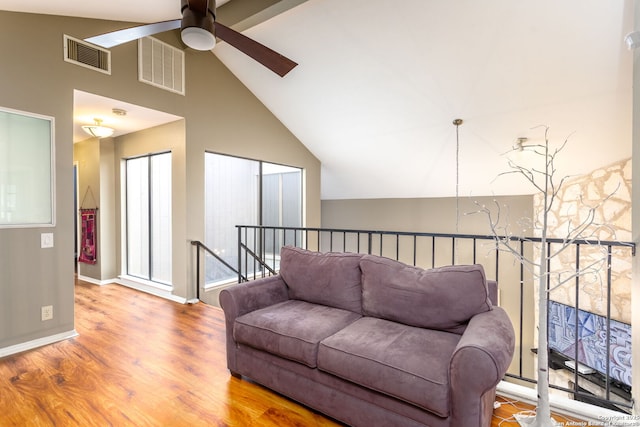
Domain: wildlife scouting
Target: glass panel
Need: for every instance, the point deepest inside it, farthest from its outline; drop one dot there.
(231, 198)
(26, 173)
(281, 207)
(137, 199)
(161, 218)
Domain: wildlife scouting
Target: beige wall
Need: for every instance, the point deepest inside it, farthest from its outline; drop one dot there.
(440, 215)
(108, 213)
(96, 183)
(220, 114)
(169, 137)
(86, 156)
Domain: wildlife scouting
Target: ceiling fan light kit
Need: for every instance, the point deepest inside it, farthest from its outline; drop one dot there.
(198, 38)
(197, 29)
(632, 40)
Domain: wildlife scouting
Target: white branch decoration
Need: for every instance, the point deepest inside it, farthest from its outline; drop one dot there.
(544, 180)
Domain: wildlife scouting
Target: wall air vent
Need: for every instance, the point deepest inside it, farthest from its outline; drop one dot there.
(87, 55)
(160, 65)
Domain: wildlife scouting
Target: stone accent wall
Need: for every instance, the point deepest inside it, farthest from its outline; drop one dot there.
(611, 221)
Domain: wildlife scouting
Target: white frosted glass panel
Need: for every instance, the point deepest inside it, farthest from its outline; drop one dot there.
(231, 198)
(138, 217)
(161, 218)
(248, 192)
(148, 201)
(26, 173)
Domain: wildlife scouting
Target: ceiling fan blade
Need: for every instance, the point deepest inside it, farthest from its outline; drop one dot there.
(116, 38)
(271, 59)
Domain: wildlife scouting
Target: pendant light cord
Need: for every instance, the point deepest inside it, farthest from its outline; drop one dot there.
(457, 123)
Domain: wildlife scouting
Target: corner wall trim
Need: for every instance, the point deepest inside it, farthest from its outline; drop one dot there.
(30, 345)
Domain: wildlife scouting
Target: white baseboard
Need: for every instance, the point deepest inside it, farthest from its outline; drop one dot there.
(157, 290)
(140, 285)
(29, 345)
(96, 281)
(559, 404)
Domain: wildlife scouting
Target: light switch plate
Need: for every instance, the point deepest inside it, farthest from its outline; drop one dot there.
(46, 240)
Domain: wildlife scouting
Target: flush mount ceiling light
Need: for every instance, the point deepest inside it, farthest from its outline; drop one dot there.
(520, 144)
(632, 40)
(97, 130)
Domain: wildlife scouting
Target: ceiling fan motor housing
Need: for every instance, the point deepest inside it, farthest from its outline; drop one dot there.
(198, 24)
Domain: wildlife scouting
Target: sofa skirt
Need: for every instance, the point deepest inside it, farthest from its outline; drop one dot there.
(338, 399)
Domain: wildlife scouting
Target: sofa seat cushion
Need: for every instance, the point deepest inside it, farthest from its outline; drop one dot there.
(291, 329)
(332, 278)
(444, 298)
(408, 363)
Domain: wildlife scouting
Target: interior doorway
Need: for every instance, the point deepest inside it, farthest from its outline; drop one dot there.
(96, 174)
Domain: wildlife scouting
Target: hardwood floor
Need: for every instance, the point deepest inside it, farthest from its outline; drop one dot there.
(143, 361)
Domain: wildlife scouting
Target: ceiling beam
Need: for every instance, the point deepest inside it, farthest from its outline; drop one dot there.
(243, 14)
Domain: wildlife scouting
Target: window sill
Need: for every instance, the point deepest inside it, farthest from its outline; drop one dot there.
(153, 288)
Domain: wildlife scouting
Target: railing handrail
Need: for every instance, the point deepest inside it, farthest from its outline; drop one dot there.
(257, 258)
(201, 245)
(632, 245)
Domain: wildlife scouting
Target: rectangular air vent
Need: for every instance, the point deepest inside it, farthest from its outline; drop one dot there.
(87, 55)
(161, 65)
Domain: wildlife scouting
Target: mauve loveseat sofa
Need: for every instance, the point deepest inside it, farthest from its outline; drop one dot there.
(370, 341)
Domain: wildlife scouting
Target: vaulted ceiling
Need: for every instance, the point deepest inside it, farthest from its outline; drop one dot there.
(378, 85)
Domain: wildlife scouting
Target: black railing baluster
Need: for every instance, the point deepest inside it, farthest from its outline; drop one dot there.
(433, 251)
(475, 242)
(608, 363)
(521, 350)
(576, 331)
(453, 251)
(197, 274)
(397, 246)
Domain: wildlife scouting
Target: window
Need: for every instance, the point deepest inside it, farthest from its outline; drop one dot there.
(246, 192)
(148, 217)
(26, 170)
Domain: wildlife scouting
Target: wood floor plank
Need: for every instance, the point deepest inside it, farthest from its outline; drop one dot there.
(140, 360)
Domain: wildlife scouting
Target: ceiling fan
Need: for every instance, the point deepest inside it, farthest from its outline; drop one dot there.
(199, 30)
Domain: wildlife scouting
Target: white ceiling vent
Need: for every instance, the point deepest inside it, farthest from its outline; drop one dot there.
(161, 65)
(87, 55)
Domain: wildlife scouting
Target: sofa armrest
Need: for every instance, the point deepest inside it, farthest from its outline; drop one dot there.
(245, 298)
(478, 364)
(250, 296)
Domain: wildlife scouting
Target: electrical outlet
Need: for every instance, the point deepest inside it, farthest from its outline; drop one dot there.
(47, 312)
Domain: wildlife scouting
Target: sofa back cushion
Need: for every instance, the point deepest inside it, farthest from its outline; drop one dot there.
(441, 298)
(332, 279)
